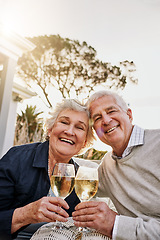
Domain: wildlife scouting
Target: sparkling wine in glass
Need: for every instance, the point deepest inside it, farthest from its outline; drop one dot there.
(62, 181)
(86, 184)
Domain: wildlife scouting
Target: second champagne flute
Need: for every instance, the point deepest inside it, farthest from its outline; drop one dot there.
(86, 184)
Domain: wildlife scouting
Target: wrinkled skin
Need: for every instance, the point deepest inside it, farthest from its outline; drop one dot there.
(96, 215)
(46, 209)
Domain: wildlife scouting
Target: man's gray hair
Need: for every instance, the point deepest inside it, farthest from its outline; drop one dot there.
(119, 100)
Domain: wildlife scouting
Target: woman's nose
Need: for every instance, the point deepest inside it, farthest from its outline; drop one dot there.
(69, 130)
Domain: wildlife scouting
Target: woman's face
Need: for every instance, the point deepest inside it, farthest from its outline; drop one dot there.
(68, 135)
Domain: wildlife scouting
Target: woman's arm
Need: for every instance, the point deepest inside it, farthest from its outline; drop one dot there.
(46, 209)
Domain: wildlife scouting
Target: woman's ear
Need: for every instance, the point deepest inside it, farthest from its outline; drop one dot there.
(129, 113)
(49, 132)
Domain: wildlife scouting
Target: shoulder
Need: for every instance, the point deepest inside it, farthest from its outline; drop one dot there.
(21, 151)
(152, 140)
(106, 161)
(107, 157)
(25, 147)
(152, 135)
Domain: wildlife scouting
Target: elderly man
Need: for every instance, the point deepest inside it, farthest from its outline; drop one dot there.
(129, 175)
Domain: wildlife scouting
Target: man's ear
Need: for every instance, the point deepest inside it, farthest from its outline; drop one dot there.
(85, 143)
(129, 113)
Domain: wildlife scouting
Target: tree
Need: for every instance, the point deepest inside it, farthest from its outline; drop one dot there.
(29, 127)
(70, 67)
(92, 154)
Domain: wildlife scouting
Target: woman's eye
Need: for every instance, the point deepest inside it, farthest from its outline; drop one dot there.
(80, 127)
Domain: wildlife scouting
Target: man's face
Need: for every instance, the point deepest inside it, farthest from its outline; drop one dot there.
(112, 124)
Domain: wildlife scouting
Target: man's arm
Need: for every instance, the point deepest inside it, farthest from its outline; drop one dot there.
(137, 228)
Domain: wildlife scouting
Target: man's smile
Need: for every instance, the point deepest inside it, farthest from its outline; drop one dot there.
(111, 129)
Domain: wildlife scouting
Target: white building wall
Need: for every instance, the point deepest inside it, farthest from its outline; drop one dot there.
(12, 47)
(6, 102)
(10, 127)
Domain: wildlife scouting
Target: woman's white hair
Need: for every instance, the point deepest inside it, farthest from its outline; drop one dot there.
(74, 105)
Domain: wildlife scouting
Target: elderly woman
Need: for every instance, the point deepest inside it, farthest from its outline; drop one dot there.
(25, 173)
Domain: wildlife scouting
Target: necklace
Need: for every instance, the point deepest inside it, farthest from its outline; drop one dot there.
(48, 168)
(50, 190)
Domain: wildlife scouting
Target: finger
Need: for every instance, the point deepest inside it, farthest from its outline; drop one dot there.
(59, 201)
(48, 216)
(58, 210)
(61, 219)
(59, 214)
(86, 217)
(86, 205)
(86, 211)
(56, 217)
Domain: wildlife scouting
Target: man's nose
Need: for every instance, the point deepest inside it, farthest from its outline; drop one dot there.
(106, 119)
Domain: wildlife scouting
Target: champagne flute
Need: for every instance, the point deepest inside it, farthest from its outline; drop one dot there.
(86, 184)
(62, 182)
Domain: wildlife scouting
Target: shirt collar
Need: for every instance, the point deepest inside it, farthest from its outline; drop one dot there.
(136, 139)
(41, 157)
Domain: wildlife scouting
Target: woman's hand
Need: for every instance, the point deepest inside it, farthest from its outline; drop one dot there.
(49, 209)
(46, 209)
(96, 215)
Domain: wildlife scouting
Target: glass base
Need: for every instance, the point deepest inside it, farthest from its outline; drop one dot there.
(84, 229)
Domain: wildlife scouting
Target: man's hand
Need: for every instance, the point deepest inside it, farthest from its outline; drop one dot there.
(95, 215)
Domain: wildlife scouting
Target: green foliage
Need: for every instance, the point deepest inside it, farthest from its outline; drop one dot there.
(29, 127)
(93, 154)
(70, 67)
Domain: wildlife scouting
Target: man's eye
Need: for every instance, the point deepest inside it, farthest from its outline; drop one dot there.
(112, 111)
(97, 118)
(64, 122)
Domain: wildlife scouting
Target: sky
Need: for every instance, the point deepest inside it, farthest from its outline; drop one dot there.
(119, 30)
